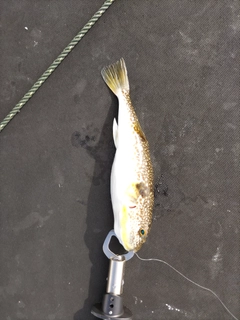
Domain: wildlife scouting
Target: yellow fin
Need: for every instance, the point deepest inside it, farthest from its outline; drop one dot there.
(143, 189)
(135, 190)
(116, 77)
(139, 131)
(132, 192)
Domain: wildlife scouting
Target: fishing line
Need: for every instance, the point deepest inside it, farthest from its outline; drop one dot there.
(193, 282)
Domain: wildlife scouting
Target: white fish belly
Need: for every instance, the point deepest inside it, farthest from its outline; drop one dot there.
(122, 175)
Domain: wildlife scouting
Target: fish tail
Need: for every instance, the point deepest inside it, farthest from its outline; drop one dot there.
(116, 77)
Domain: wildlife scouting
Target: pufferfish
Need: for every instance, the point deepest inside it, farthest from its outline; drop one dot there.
(132, 174)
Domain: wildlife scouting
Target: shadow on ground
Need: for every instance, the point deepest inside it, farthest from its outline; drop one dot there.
(99, 210)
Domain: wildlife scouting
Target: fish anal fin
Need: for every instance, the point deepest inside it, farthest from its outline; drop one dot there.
(115, 132)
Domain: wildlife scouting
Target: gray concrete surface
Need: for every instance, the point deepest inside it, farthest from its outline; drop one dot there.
(56, 156)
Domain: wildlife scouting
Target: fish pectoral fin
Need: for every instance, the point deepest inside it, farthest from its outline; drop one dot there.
(132, 192)
(136, 190)
(115, 132)
(143, 189)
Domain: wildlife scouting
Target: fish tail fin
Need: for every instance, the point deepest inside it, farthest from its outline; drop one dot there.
(116, 77)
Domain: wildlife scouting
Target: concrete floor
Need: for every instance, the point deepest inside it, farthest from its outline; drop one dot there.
(56, 156)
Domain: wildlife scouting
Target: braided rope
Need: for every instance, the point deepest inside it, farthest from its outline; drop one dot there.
(55, 64)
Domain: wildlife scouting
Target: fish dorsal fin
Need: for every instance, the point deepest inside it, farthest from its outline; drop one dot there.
(138, 130)
(115, 132)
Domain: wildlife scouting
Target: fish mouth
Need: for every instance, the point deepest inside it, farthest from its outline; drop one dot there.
(138, 247)
(134, 247)
(127, 247)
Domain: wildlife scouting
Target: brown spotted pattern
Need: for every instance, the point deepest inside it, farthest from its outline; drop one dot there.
(141, 216)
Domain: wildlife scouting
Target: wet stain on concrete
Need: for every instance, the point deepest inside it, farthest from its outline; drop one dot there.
(100, 150)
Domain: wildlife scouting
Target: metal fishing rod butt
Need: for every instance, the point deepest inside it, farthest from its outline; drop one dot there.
(112, 303)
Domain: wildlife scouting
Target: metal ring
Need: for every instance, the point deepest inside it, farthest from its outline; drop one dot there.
(109, 254)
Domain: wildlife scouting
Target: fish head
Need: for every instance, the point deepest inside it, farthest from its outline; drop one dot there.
(135, 226)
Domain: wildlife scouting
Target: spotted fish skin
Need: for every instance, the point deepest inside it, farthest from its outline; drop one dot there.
(132, 173)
